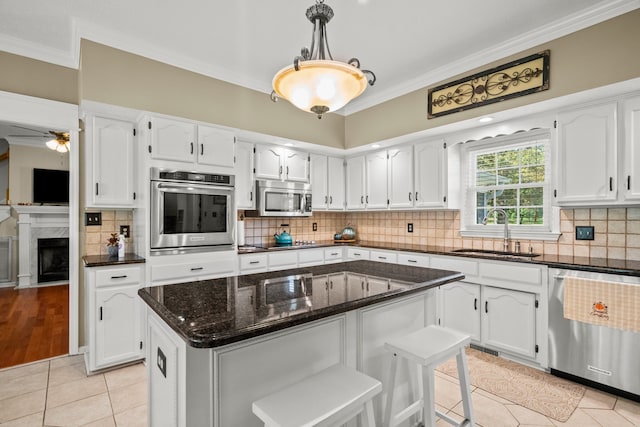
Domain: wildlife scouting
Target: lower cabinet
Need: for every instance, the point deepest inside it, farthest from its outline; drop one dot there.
(113, 314)
(500, 319)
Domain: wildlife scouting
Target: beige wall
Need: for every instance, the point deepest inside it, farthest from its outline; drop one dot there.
(21, 164)
(116, 77)
(596, 56)
(37, 78)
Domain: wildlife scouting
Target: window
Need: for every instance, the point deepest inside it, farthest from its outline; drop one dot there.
(511, 174)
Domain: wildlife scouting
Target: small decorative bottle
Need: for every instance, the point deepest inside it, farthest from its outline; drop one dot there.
(121, 247)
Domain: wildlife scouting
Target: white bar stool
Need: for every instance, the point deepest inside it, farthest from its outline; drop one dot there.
(328, 398)
(428, 348)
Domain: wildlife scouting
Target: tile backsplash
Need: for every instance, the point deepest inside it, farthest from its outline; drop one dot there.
(96, 235)
(617, 231)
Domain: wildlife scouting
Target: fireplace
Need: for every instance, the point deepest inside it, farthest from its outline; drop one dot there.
(53, 259)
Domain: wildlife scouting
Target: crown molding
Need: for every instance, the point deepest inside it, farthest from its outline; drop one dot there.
(37, 51)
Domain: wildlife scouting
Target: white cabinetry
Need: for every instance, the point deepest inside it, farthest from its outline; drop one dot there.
(587, 151)
(332, 255)
(401, 193)
(431, 175)
(355, 189)
(185, 141)
(282, 260)
(384, 256)
(460, 308)
(167, 269)
(110, 160)
(245, 181)
(631, 171)
(327, 182)
(253, 263)
(113, 315)
(278, 163)
(307, 257)
(376, 180)
(357, 253)
(417, 260)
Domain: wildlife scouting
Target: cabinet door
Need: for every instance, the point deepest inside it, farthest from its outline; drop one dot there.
(509, 320)
(335, 183)
(245, 183)
(112, 162)
(320, 291)
(355, 183)
(356, 286)
(631, 175)
(320, 197)
(337, 288)
(377, 286)
(430, 180)
(117, 325)
(296, 166)
(401, 192)
(587, 155)
(376, 180)
(269, 162)
(172, 140)
(216, 147)
(460, 308)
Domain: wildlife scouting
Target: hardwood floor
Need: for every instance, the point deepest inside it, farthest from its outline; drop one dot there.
(34, 324)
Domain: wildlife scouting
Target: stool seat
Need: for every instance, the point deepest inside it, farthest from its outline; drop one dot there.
(327, 398)
(425, 349)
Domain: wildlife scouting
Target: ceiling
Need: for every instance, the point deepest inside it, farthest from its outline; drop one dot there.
(409, 44)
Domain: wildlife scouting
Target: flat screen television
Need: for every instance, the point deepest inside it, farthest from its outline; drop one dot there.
(50, 186)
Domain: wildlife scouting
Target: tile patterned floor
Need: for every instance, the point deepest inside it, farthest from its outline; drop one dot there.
(59, 393)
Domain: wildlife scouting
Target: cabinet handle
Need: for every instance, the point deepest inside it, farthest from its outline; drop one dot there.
(362, 283)
(192, 148)
(486, 306)
(197, 268)
(254, 262)
(330, 200)
(124, 276)
(356, 254)
(475, 304)
(628, 182)
(412, 260)
(382, 257)
(334, 253)
(287, 171)
(325, 200)
(101, 313)
(409, 196)
(251, 196)
(610, 183)
(367, 199)
(280, 173)
(202, 149)
(416, 196)
(331, 284)
(96, 188)
(361, 200)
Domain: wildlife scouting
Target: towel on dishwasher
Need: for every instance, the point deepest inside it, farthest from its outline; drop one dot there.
(599, 302)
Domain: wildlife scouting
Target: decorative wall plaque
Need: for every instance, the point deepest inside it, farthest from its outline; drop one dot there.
(517, 78)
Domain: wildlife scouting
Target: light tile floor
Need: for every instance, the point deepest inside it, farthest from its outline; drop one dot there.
(59, 393)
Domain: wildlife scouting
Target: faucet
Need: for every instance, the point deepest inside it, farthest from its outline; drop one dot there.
(505, 244)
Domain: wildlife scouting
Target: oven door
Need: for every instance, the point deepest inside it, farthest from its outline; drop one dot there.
(188, 215)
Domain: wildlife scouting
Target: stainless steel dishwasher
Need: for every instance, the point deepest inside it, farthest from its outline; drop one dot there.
(598, 354)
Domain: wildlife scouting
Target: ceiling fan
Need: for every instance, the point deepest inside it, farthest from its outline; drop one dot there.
(59, 142)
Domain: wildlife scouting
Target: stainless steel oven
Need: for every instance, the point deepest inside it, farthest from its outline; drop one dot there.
(191, 210)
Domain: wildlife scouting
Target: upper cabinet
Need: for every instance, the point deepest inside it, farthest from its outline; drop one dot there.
(184, 141)
(598, 155)
(245, 181)
(282, 164)
(110, 160)
(431, 175)
(355, 188)
(376, 173)
(328, 182)
(587, 150)
(401, 177)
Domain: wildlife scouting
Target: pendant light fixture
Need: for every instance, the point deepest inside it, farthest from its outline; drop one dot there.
(60, 143)
(315, 82)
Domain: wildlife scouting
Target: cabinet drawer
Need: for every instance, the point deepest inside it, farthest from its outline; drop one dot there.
(190, 270)
(282, 260)
(253, 263)
(384, 256)
(466, 266)
(310, 257)
(333, 255)
(118, 276)
(358, 253)
(417, 260)
(511, 272)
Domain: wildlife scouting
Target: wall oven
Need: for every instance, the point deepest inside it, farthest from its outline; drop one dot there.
(191, 211)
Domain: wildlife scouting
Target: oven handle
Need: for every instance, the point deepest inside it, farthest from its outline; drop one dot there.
(207, 189)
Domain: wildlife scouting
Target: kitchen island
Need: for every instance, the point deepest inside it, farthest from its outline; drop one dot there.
(215, 346)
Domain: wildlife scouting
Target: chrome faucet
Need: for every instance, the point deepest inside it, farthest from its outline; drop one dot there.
(505, 244)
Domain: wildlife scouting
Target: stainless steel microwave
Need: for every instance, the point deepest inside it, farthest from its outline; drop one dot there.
(191, 210)
(277, 198)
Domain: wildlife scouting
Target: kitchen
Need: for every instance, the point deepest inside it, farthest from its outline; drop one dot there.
(102, 87)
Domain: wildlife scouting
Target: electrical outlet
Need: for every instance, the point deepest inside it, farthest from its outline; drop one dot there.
(410, 227)
(93, 218)
(584, 232)
(315, 226)
(124, 230)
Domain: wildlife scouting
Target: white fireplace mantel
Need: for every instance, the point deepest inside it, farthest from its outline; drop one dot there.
(34, 222)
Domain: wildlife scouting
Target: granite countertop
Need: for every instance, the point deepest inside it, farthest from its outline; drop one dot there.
(218, 312)
(595, 265)
(106, 260)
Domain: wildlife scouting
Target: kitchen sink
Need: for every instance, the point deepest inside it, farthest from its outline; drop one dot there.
(490, 253)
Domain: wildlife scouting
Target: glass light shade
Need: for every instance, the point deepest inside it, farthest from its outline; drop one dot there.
(58, 145)
(331, 84)
(52, 144)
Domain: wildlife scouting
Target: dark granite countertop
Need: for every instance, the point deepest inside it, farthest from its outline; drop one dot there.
(595, 265)
(217, 312)
(105, 260)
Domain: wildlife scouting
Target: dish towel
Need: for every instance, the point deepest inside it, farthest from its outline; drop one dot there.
(599, 302)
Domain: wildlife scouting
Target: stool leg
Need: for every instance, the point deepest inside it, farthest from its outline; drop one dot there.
(368, 420)
(390, 384)
(416, 383)
(465, 388)
(429, 409)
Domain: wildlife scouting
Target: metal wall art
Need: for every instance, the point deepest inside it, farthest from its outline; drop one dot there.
(517, 78)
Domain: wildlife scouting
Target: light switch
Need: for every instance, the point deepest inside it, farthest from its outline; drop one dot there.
(584, 232)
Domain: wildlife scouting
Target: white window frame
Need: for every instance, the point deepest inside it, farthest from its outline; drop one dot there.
(549, 230)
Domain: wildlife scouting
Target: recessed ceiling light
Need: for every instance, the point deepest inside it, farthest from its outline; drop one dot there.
(289, 144)
(485, 119)
(375, 145)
